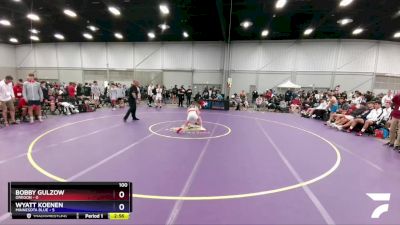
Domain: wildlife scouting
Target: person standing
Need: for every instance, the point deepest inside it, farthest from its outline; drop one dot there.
(159, 91)
(174, 93)
(33, 95)
(394, 124)
(71, 92)
(150, 94)
(7, 99)
(181, 96)
(132, 96)
(188, 96)
(96, 92)
(113, 93)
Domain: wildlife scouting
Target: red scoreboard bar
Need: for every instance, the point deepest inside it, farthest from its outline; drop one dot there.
(70, 200)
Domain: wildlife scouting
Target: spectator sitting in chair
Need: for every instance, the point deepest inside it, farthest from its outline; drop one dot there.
(310, 111)
(259, 101)
(355, 115)
(295, 105)
(372, 118)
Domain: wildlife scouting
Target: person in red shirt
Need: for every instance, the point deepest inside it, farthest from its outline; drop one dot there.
(21, 103)
(394, 124)
(295, 105)
(71, 92)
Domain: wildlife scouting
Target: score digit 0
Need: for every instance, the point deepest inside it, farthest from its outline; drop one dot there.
(121, 194)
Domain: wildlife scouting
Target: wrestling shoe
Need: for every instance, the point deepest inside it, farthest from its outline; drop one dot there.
(179, 130)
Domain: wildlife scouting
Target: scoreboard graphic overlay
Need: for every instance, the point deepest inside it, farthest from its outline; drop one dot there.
(72, 200)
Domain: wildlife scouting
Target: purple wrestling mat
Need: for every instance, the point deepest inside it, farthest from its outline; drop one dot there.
(246, 168)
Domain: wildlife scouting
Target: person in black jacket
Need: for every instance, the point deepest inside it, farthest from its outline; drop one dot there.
(132, 96)
(181, 96)
(188, 96)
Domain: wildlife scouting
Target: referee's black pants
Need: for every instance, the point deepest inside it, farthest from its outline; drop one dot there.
(181, 98)
(131, 110)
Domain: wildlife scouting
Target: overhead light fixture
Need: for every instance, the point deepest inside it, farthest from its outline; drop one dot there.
(151, 35)
(344, 3)
(357, 31)
(92, 28)
(114, 10)
(5, 22)
(163, 26)
(88, 36)
(70, 13)
(16, 0)
(264, 33)
(280, 4)
(34, 38)
(246, 24)
(397, 35)
(185, 34)
(33, 17)
(118, 35)
(13, 40)
(164, 9)
(59, 36)
(344, 21)
(308, 31)
(34, 31)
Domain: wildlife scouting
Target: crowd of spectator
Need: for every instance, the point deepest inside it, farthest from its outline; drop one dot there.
(362, 113)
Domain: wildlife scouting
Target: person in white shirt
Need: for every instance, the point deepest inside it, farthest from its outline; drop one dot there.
(113, 94)
(158, 96)
(7, 99)
(96, 92)
(150, 94)
(373, 117)
(387, 98)
(259, 102)
(310, 111)
(357, 99)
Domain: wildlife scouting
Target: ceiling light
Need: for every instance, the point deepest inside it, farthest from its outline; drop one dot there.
(59, 36)
(164, 9)
(69, 13)
(5, 22)
(280, 4)
(396, 35)
(344, 3)
(308, 31)
(88, 36)
(344, 21)
(264, 33)
(13, 40)
(34, 31)
(185, 34)
(163, 26)
(16, 0)
(118, 35)
(357, 31)
(246, 24)
(34, 38)
(114, 10)
(151, 35)
(33, 17)
(92, 28)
